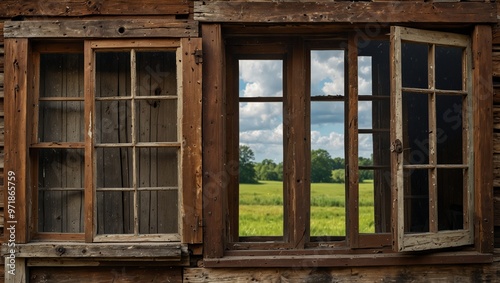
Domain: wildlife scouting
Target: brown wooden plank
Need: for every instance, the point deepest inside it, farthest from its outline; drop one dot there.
(420, 273)
(352, 150)
(496, 64)
(297, 149)
(483, 140)
(351, 12)
(111, 28)
(12, 8)
(214, 171)
(70, 249)
(104, 274)
(191, 137)
(16, 101)
(89, 181)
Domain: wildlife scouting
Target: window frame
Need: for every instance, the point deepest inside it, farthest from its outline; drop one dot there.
(433, 239)
(189, 133)
(217, 173)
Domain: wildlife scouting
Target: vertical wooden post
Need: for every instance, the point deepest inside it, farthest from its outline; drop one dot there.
(16, 147)
(482, 107)
(16, 272)
(352, 146)
(214, 169)
(89, 116)
(191, 140)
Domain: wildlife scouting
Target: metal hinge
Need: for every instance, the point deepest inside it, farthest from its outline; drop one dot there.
(198, 56)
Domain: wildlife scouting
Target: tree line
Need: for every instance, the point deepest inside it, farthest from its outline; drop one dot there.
(324, 168)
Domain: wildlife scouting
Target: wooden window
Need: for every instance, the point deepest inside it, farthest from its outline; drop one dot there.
(384, 114)
(105, 150)
(432, 118)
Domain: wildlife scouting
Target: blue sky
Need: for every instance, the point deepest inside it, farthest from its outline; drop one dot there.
(261, 124)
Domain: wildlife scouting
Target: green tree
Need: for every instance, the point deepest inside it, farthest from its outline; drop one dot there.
(321, 166)
(246, 166)
(338, 176)
(267, 170)
(365, 174)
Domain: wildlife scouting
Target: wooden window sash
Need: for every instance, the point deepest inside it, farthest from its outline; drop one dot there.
(433, 239)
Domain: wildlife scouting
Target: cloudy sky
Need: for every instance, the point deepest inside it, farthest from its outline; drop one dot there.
(261, 124)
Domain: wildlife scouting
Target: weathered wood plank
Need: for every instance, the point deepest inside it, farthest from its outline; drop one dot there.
(351, 12)
(214, 178)
(118, 28)
(12, 8)
(427, 273)
(69, 249)
(105, 274)
(496, 64)
(483, 139)
(16, 127)
(191, 139)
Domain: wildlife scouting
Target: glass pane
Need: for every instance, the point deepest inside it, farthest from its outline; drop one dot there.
(113, 122)
(374, 114)
(416, 201)
(374, 184)
(115, 212)
(450, 199)
(157, 167)
(260, 149)
(60, 121)
(328, 169)
(60, 190)
(260, 78)
(415, 128)
(114, 167)
(327, 73)
(415, 57)
(112, 74)
(373, 67)
(449, 134)
(449, 67)
(156, 73)
(156, 120)
(61, 75)
(158, 212)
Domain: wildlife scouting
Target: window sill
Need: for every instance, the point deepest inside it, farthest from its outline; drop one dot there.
(114, 251)
(315, 260)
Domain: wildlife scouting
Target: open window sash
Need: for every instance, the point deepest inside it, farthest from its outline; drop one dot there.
(426, 176)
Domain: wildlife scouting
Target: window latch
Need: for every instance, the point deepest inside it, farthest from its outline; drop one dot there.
(397, 146)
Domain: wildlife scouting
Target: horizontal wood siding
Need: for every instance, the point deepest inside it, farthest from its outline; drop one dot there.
(346, 12)
(76, 8)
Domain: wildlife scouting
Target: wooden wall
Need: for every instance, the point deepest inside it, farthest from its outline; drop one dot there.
(496, 127)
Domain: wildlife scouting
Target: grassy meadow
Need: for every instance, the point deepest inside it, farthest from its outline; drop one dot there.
(261, 209)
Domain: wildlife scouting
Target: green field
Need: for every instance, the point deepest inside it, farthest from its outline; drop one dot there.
(261, 209)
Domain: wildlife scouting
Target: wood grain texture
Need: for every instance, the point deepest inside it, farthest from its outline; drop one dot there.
(191, 140)
(350, 12)
(214, 171)
(109, 28)
(483, 139)
(75, 8)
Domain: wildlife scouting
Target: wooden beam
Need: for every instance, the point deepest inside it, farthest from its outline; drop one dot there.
(164, 251)
(482, 108)
(16, 129)
(214, 170)
(345, 12)
(111, 28)
(75, 8)
(191, 139)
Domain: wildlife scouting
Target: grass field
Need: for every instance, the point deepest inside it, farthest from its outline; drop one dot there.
(261, 209)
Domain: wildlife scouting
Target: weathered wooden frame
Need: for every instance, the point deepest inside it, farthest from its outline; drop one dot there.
(20, 127)
(216, 185)
(433, 239)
